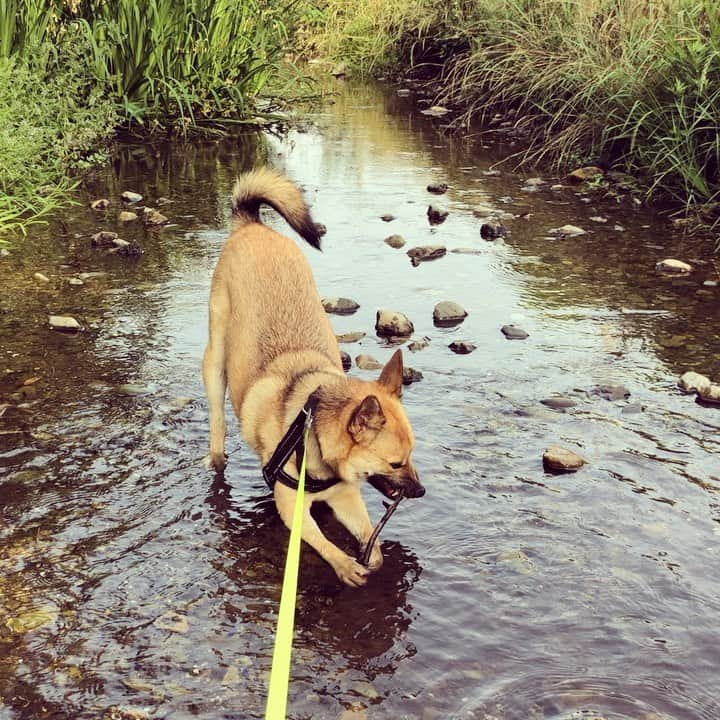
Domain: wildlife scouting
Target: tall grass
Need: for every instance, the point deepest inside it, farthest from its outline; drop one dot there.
(633, 83)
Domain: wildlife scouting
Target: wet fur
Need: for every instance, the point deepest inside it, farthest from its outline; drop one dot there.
(271, 344)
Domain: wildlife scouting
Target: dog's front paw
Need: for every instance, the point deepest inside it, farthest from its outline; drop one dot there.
(376, 557)
(351, 572)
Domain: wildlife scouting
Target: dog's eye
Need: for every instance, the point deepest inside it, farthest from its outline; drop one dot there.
(397, 465)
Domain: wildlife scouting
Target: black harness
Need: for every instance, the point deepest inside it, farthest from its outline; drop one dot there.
(293, 442)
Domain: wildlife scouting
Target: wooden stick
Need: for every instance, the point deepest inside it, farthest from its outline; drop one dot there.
(389, 510)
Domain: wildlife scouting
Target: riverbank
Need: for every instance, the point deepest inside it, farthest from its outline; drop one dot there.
(73, 73)
(626, 85)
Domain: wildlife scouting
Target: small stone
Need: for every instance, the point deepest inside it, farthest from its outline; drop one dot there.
(561, 459)
(131, 197)
(437, 188)
(691, 382)
(41, 278)
(346, 360)
(154, 218)
(320, 229)
(435, 111)
(584, 174)
(101, 204)
(418, 345)
(127, 216)
(512, 332)
(567, 231)
(75, 281)
(424, 253)
(410, 376)
(612, 392)
(673, 267)
(390, 323)
(710, 394)
(387, 217)
(395, 241)
(492, 230)
(558, 403)
(91, 275)
(126, 249)
(350, 337)
(436, 215)
(711, 283)
(104, 238)
(367, 362)
(339, 306)
(448, 314)
(598, 219)
(491, 173)
(461, 347)
(64, 323)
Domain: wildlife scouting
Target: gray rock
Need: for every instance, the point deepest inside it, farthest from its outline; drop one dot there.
(437, 188)
(612, 392)
(126, 249)
(448, 313)
(461, 347)
(100, 204)
(340, 306)
(395, 241)
(561, 459)
(669, 266)
(436, 111)
(418, 345)
(410, 376)
(584, 174)
(104, 238)
(692, 382)
(64, 323)
(559, 403)
(424, 253)
(492, 230)
(390, 323)
(368, 362)
(512, 332)
(127, 216)
(387, 217)
(131, 197)
(75, 281)
(346, 360)
(350, 337)
(436, 214)
(710, 394)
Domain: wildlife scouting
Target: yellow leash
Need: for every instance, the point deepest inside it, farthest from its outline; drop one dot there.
(280, 671)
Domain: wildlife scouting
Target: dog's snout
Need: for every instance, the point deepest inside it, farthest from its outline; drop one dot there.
(411, 485)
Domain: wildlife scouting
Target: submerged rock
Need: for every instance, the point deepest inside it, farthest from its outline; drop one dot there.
(435, 111)
(104, 238)
(558, 403)
(395, 241)
(350, 337)
(448, 313)
(567, 231)
(100, 204)
(460, 347)
(612, 392)
(154, 218)
(436, 215)
(368, 362)
(584, 174)
(410, 376)
(424, 253)
(64, 323)
(561, 459)
(670, 266)
(492, 230)
(346, 360)
(512, 332)
(390, 323)
(126, 248)
(437, 188)
(340, 306)
(418, 345)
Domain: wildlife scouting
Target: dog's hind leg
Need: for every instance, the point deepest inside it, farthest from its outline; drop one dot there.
(215, 376)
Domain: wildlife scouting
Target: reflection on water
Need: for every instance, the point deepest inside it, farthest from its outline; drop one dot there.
(134, 584)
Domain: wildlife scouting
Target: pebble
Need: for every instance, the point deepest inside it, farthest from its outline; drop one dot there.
(75, 281)
(131, 197)
(710, 394)
(387, 217)
(410, 376)
(395, 241)
(350, 337)
(492, 230)
(567, 231)
(154, 218)
(100, 204)
(673, 267)
(711, 283)
(583, 174)
(127, 249)
(437, 188)
(424, 253)
(561, 459)
(127, 216)
(346, 360)
(461, 347)
(448, 313)
(691, 382)
(104, 238)
(340, 306)
(65, 323)
(368, 362)
(612, 392)
(320, 229)
(41, 278)
(598, 219)
(512, 332)
(418, 345)
(435, 111)
(558, 403)
(633, 409)
(390, 323)
(436, 214)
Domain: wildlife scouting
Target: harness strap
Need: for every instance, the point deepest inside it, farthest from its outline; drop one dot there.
(291, 442)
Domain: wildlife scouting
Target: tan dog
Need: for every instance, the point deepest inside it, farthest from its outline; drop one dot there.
(272, 344)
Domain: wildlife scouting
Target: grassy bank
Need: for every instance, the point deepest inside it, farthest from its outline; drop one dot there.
(630, 83)
(72, 71)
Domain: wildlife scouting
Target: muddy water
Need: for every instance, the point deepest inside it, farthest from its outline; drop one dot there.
(133, 582)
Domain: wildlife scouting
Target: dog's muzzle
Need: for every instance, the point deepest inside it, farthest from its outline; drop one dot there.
(392, 488)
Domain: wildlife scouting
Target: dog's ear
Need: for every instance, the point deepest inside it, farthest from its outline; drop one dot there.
(392, 374)
(367, 419)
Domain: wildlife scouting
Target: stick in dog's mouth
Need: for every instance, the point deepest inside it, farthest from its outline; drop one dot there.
(389, 510)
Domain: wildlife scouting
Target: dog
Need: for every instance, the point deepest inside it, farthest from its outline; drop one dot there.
(272, 346)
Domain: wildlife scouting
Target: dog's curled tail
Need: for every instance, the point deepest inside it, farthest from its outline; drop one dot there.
(265, 185)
